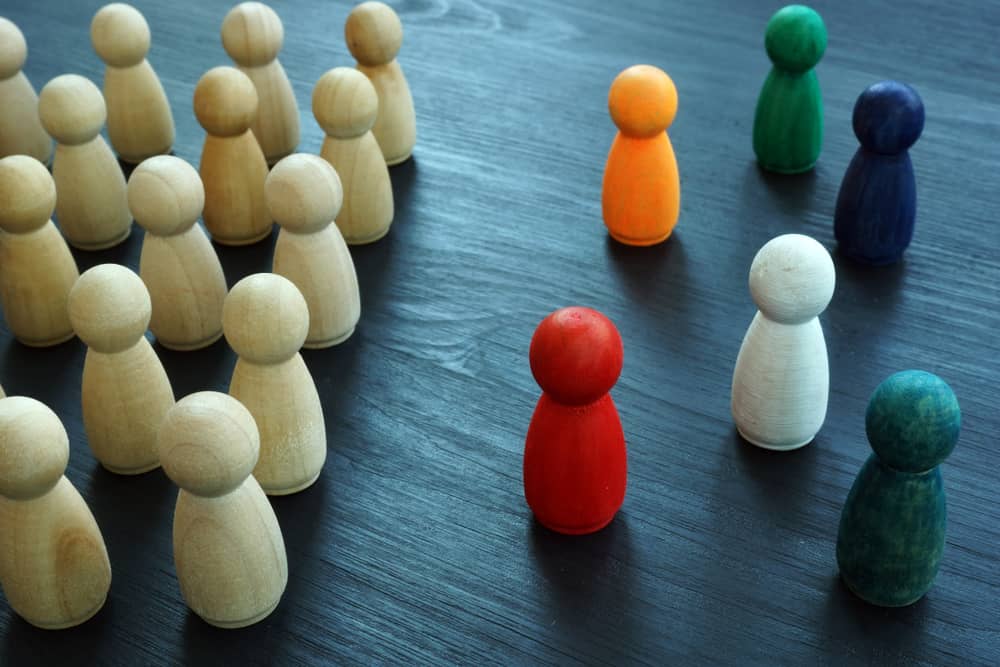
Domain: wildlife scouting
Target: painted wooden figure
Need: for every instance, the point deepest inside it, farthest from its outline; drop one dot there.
(37, 270)
(877, 203)
(892, 528)
(125, 390)
(574, 453)
(54, 566)
(178, 264)
(21, 132)
(140, 123)
(788, 123)
(91, 205)
(641, 192)
(266, 320)
(345, 105)
(228, 549)
(782, 377)
(252, 35)
(374, 35)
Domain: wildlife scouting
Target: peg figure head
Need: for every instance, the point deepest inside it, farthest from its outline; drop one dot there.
(27, 194)
(165, 195)
(913, 421)
(576, 355)
(642, 101)
(72, 109)
(796, 38)
(225, 102)
(265, 318)
(792, 278)
(888, 117)
(120, 35)
(208, 443)
(345, 103)
(374, 33)
(252, 34)
(303, 193)
(109, 308)
(13, 49)
(34, 448)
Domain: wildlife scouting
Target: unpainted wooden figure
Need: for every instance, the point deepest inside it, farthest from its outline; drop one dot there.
(21, 132)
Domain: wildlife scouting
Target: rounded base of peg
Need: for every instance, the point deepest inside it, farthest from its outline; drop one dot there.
(642, 243)
(368, 239)
(291, 490)
(773, 447)
(232, 625)
(787, 171)
(392, 162)
(101, 245)
(576, 530)
(138, 159)
(69, 624)
(49, 342)
(187, 347)
(878, 603)
(330, 342)
(242, 242)
(131, 471)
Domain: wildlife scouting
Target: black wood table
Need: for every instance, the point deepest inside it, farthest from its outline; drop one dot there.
(416, 546)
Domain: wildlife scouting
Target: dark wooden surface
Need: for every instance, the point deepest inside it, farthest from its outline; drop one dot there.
(416, 546)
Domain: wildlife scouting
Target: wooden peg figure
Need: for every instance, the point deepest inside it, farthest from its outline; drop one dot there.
(54, 565)
(21, 132)
(641, 192)
(374, 35)
(892, 528)
(125, 391)
(178, 264)
(228, 550)
(782, 378)
(232, 167)
(37, 270)
(788, 123)
(574, 454)
(266, 320)
(304, 196)
(877, 203)
(345, 105)
(140, 124)
(91, 206)
(252, 35)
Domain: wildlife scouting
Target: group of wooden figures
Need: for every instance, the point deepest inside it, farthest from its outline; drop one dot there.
(225, 452)
(892, 528)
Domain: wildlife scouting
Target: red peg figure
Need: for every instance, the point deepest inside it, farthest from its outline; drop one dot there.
(641, 193)
(574, 455)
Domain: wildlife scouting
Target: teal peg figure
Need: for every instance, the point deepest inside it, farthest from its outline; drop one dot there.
(892, 527)
(788, 124)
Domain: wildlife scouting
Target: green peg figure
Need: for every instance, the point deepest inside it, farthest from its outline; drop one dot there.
(892, 527)
(788, 124)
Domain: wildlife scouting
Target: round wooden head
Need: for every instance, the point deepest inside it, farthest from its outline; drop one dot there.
(888, 117)
(72, 109)
(13, 49)
(109, 308)
(796, 38)
(913, 421)
(374, 33)
(265, 318)
(792, 278)
(576, 355)
(208, 443)
(34, 448)
(252, 34)
(120, 35)
(27, 194)
(165, 195)
(225, 102)
(642, 101)
(303, 193)
(345, 103)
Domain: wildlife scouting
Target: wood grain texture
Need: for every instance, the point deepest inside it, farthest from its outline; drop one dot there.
(415, 545)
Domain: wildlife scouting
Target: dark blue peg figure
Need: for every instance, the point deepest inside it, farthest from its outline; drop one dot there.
(877, 204)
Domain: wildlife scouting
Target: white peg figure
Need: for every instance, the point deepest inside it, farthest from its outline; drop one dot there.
(178, 263)
(252, 35)
(228, 549)
(232, 166)
(37, 270)
(91, 206)
(125, 391)
(782, 377)
(265, 320)
(21, 133)
(304, 195)
(54, 565)
(139, 120)
(374, 35)
(345, 105)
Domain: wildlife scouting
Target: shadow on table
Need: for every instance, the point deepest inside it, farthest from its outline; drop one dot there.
(795, 193)
(783, 480)
(883, 284)
(647, 271)
(207, 369)
(43, 373)
(27, 645)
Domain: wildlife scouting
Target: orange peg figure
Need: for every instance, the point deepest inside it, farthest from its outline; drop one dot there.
(641, 196)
